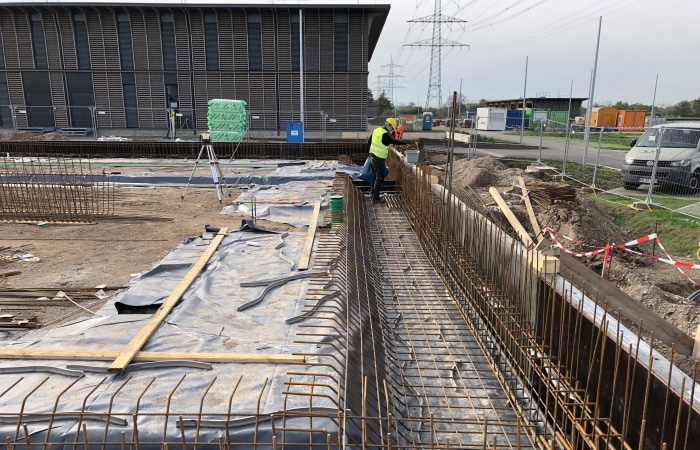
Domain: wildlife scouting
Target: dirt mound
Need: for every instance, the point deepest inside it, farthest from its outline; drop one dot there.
(484, 172)
(26, 136)
(583, 222)
(559, 206)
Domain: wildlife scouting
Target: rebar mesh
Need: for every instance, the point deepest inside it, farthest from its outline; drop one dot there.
(53, 190)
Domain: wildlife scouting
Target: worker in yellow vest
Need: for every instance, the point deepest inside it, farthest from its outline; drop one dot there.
(379, 142)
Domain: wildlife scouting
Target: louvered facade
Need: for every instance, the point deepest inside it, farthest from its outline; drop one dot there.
(124, 66)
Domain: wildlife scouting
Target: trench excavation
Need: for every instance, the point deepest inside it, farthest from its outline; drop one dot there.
(449, 308)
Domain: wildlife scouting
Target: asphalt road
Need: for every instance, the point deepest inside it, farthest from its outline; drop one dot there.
(554, 149)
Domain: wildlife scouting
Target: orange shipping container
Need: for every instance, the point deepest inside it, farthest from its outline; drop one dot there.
(631, 119)
(604, 117)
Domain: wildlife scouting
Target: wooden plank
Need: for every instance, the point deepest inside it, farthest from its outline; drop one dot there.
(528, 205)
(514, 222)
(133, 347)
(308, 245)
(696, 345)
(87, 355)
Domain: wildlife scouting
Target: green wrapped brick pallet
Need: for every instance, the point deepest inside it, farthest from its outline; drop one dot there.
(227, 105)
(226, 136)
(227, 116)
(226, 120)
(226, 125)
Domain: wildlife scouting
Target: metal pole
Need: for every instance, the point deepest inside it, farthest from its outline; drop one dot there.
(323, 119)
(597, 158)
(301, 69)
(590, 97)
(450, 146)
(539, 158)
(586, 124)
(13, 111)
(568, 132)
(522, 122)
(93, 114)
(171, 113)
(459, 100)
(472, 140)
(653, 102)
(652, 180)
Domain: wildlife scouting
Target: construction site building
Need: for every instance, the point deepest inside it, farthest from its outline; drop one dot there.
(128, 66)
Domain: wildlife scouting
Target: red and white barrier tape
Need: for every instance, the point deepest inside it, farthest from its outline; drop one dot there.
(650, 237)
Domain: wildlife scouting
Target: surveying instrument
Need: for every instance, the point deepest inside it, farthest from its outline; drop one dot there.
(216, 175)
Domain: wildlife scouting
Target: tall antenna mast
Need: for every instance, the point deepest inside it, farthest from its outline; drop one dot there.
(436, 44)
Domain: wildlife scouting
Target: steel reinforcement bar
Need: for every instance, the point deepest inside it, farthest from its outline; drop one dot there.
(410, 373)
(54, 190)
(187, 149)
(572, 365)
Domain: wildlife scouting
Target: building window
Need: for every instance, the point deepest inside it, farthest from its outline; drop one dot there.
(167, 31)
(82, 43)
(130, 103)
(254, 42)
(38, 42)
(2, 54)
(295, 42)
(5, 114)
(37, 98)
(126, 51)
(80, 98)
(211, 41)
(171, 91)
(340, 42)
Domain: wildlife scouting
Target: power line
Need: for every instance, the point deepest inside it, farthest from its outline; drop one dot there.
(561, 24)
(436, 44)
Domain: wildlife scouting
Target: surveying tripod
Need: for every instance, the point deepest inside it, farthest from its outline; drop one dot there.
(216, 175)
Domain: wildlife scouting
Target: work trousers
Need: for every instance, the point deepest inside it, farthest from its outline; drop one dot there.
(378, 168)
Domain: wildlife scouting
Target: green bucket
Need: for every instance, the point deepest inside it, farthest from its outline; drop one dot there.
(336, 206)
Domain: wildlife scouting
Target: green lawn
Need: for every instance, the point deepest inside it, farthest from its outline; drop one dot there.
(679, 234)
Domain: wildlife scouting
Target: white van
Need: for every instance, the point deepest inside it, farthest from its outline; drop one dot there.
(679, 157)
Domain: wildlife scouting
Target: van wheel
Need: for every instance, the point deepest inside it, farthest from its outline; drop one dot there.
(694, 183)
(630, 186)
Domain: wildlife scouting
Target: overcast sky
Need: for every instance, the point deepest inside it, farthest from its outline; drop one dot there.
(639, 39)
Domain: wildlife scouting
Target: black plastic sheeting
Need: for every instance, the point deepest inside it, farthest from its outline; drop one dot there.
(205, 320)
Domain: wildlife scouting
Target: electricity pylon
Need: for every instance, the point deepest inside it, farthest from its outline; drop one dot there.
(391, 77)
(436, 44)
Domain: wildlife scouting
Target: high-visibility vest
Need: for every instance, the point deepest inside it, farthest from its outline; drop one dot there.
(377, 148)
(398, 134)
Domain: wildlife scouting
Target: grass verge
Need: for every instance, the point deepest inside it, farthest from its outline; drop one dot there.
(678, 234)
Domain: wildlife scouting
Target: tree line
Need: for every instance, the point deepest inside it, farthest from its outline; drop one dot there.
(685, 108)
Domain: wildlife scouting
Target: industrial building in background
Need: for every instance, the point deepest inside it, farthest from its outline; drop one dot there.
(76, 66)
